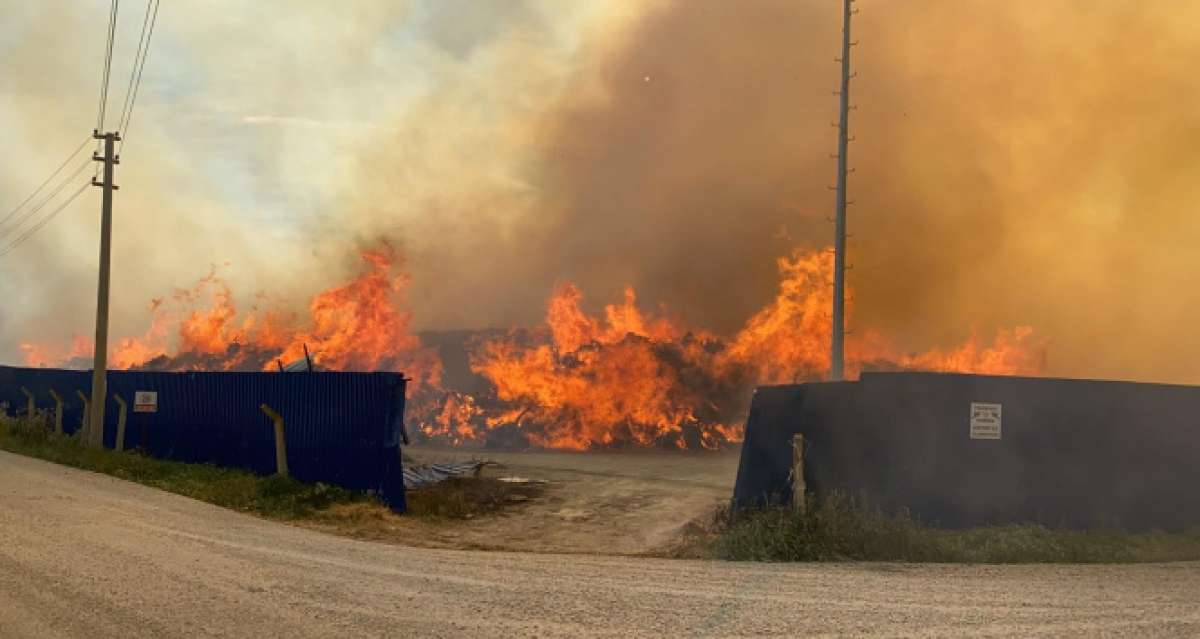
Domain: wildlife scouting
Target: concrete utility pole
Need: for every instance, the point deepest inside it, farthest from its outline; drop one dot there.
(838, 345)
(95, 434)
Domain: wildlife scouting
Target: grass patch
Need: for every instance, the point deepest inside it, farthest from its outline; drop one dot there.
(837, 529)
(468, 497)
(272, 497)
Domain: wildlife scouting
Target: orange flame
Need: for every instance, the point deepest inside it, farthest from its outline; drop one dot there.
(578, 381)
(788, 340)
(622, 392)
(42, 356)
(354, 326)
(358, 327)
(634, 378)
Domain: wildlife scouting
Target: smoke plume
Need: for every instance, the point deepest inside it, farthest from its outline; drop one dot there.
(1016, 164)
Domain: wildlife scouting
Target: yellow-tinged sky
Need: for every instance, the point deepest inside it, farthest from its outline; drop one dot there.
(1018, 163)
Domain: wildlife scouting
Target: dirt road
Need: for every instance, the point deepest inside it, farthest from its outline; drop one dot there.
(85, 555)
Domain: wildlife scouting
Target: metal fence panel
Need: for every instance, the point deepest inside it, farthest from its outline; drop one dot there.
(341, 428)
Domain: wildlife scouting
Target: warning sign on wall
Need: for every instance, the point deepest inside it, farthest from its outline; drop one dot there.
(985, 421)
(145, 402)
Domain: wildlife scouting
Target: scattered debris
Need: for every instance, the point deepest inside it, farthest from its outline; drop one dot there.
(418, 476)
(521, 480)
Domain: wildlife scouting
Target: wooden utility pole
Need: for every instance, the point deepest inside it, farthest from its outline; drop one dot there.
(100, 356)
(799, 487)
(838, 345)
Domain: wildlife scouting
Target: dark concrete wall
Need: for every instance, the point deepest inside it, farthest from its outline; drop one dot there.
(1072, 453)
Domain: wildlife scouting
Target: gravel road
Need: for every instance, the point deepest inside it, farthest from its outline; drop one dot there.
(84, 555)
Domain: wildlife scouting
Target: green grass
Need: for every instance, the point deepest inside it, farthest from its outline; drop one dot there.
(834, 529)
(838, 529)
(273, 496)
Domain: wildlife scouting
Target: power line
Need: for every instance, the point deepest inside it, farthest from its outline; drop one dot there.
(108, 51)
(16, 225)
(43, 184)
(127, 114)
(133, 69)
(112, 29)
(37, 227)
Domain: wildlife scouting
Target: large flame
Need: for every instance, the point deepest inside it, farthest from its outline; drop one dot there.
(627, 377)
(579, 381)
(356, 326)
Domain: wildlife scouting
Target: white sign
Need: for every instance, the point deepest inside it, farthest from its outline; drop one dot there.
(145, 402)
(985, 421)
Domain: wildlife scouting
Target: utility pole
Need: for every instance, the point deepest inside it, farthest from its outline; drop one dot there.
(95, 434)
(838, 341)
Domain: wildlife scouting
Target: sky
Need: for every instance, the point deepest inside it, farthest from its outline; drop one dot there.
(1016, 163)
(249, 123)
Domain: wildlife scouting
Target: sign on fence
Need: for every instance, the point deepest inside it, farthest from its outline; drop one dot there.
(145, 402)
(985, 421)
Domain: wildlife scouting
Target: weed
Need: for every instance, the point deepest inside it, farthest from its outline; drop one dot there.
(272, 496)
(838, 528)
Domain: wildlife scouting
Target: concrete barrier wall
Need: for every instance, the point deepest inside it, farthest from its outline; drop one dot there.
(1074, 453)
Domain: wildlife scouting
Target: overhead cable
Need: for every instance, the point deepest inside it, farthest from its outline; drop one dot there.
(13, 212)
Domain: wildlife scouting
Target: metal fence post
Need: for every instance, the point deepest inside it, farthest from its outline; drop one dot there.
(33, 407)
(119, 445)
(85, 423)
(281, 467)
(58, 411)
(799, 501)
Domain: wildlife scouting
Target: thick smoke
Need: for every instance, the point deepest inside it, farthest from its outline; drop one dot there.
(245, 139)
(231, 137)
(1016, 164)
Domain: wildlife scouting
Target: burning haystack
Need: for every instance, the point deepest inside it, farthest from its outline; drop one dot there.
(624, 377)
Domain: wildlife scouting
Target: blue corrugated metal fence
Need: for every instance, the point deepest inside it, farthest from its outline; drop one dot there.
(341, 428)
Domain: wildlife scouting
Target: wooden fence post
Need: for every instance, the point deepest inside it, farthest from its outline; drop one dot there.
(32, 410)
(281, 467)
(58, 410)
(799, 501)
(123, 409)
(87, 412)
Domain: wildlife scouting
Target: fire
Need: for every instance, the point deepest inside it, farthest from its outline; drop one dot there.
(41, 356)
(356, 326)
(604, 393)
(197, 328)
(1014, 351)
(788, 340)
(583, 382)
(453, 421)
(625, 376)
(572, 328)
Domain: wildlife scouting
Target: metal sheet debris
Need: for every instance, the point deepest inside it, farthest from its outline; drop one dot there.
(521, 480)
(420, 475)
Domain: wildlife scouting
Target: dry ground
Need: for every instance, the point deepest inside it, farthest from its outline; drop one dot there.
(87, 555)
(597, 503)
